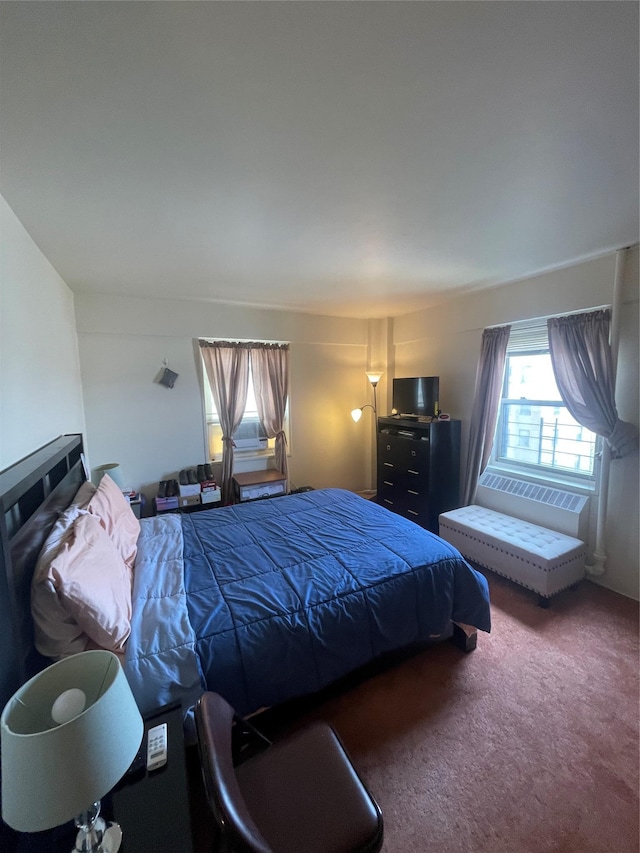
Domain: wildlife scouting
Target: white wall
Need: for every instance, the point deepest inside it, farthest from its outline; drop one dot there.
(444, 341)
(40, 388)
(154, 431)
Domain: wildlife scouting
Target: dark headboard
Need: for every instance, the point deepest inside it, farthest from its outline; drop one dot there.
(32, 494)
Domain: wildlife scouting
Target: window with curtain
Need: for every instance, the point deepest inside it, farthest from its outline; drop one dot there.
(535, 433)
(250, 422)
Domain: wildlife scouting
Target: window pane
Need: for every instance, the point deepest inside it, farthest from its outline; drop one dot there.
(250, 411)
(546, 438)
(530, 377)
(541, 433)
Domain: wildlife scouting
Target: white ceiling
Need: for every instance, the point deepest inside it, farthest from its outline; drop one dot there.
(346, 158)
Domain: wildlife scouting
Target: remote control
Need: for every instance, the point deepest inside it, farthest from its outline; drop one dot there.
(157, 747)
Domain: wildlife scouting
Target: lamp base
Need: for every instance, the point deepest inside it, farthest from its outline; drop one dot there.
(109, 835)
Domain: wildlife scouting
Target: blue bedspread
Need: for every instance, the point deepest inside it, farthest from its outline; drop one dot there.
(286, 595)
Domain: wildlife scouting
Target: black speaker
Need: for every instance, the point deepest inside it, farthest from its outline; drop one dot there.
(168, 378)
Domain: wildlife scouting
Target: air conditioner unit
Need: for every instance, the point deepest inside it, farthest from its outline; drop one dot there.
(250, 435)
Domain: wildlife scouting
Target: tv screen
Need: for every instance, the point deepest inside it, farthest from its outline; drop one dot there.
(417, 395)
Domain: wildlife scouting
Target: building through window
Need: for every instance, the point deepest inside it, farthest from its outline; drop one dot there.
(535, 430)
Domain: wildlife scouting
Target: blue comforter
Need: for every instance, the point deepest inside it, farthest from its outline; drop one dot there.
(286, 595)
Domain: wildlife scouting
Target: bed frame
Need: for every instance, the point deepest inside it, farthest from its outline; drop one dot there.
(33, 492)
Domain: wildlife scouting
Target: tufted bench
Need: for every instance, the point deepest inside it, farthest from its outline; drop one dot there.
(533, 556)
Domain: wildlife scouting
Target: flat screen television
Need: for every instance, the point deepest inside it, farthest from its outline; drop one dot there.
(417, 395)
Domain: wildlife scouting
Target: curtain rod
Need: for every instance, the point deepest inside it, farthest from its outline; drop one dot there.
(248, 344)
(543, 319)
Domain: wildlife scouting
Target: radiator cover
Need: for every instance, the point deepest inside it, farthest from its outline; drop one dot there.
(552, 507)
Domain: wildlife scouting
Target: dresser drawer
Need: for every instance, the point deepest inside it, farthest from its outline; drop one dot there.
(403, 503)
(403, 453)
(409, 483)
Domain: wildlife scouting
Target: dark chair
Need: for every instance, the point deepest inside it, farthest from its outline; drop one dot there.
(298, 795)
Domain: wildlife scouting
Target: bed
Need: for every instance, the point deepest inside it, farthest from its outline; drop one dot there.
(261, 602)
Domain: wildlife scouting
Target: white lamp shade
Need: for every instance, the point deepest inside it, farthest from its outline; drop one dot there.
(114, 470)
(374, 376)
(356, 414)
(51, 773)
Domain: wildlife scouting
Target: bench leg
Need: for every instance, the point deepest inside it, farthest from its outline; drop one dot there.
(465, 637)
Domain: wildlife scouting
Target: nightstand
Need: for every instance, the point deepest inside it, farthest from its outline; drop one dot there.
(136, 502)
(151, 808)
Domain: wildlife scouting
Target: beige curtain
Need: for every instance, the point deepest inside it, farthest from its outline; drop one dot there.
(270, 371)
(484, 414)
(227, 366)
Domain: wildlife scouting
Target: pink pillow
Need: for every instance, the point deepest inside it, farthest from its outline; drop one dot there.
(93, 584)
(84, 494)
(56, 632)
(114, 512)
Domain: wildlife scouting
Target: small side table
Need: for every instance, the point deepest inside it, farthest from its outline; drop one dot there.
(136, 501)
(151, 808)
(251, 485)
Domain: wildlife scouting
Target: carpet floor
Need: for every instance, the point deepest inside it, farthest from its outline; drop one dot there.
(527, 745)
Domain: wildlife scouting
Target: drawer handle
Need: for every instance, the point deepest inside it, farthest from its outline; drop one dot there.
(411, 512)
(413, 453)
(388, 483)
(387, 501)
(411, 492)
(412, 472)
(388, 464)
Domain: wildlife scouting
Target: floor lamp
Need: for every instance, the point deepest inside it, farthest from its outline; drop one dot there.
(374, 378)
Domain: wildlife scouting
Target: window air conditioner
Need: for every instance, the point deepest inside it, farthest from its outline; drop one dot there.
(250, 435)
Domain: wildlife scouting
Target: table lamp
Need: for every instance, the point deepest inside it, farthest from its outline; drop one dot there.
(114, 470)
(68, 736)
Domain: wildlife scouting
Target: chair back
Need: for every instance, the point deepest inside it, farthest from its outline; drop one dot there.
(214, 721)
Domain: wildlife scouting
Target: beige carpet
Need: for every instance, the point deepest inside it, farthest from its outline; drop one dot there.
(529, 743)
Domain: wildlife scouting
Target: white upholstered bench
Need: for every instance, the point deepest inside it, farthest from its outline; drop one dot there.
(533, 556)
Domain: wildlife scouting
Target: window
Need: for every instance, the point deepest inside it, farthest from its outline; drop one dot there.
(250, 423)
(535, 430)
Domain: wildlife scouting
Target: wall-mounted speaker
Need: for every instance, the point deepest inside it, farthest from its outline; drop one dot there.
(168, 378)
